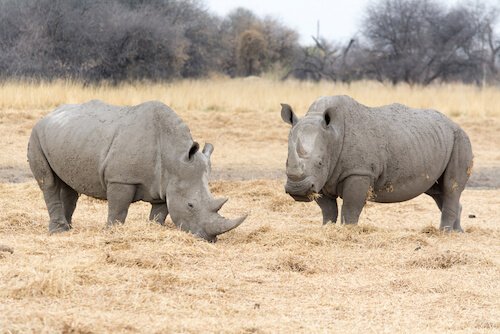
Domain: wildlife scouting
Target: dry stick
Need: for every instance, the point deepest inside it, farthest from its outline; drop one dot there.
(6, 249)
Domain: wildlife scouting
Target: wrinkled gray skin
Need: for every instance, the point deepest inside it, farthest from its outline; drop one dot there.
(388, 154)
(124, 155)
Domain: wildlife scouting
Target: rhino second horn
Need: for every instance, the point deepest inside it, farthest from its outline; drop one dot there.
(223, 225)
(217, 204)
(300, 149)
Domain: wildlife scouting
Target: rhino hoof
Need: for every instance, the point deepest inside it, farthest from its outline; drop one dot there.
(58, 227)
(449, 229)
(328, 222)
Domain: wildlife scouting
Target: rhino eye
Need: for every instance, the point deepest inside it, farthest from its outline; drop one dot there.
(191, 205)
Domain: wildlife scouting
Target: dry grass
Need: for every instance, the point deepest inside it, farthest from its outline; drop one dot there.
(281, 271)
(243, 95)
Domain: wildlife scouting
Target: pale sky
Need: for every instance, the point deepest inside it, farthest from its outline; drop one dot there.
(339, 20)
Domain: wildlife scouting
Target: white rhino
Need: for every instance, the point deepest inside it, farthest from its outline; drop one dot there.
(389, 154)
(125, 154)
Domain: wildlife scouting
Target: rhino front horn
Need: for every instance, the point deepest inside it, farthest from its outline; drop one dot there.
(223, 225)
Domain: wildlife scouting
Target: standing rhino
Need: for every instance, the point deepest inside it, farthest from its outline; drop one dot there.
(389, 154)
(124, 155)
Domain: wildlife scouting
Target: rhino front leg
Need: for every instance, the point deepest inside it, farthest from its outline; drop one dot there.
(329, 208)
(119, 198)
(159, 213)
(354, 195)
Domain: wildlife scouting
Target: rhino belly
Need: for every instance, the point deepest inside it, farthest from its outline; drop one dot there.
(406, 178)
(399, 191)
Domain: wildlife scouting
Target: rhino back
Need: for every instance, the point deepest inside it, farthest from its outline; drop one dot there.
(92, 144)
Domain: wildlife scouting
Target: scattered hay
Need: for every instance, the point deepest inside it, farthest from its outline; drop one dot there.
(418, 239)
(347, 235)
(292, 263)
(16, 221)
(401, 285)
(87, 277)
(480, 231)
(446, 260)
(431, 230)
(153, 261)
(258, 233)
(281, 203)
(39, 282)
(313, 196)
(118, 244)
(75, 329)
(355, 229)
(161, 281)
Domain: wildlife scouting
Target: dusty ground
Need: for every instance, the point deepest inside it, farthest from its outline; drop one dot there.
(280, 271)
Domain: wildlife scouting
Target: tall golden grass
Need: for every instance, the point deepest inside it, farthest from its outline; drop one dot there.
(253, 93)
(280, 271)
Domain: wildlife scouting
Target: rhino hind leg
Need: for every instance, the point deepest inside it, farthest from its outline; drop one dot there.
(158, 213)
(119, 197)
(49, 183)
(69, 197)
(450, 185)
(450, 214)
(450, 217)
(52, 195)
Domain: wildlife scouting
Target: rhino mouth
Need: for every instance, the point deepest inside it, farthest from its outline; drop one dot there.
(300, 198)
(302, 190)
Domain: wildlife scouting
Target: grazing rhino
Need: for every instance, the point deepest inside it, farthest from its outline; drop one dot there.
(125, 154)
(389, 154)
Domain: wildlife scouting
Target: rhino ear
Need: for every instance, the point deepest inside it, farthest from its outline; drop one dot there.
(194, 148)
(288, 115)
(328, 116)
(207, 150)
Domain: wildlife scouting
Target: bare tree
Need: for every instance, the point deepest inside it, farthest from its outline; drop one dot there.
(251, 52)
(280, 42)
(327, 61)
(418, 41)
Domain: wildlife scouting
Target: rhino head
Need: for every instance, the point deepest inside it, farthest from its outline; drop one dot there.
(313, 149)
(190, 203)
